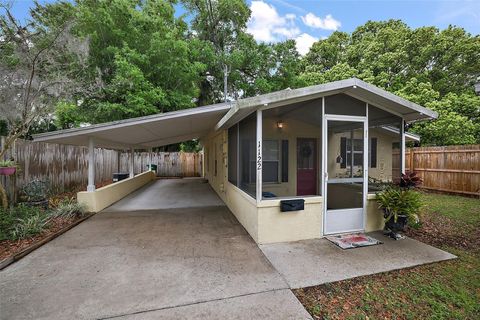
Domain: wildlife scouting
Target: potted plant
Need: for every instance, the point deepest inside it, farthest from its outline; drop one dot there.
(7, 167)
(400, 207)
(35, 194)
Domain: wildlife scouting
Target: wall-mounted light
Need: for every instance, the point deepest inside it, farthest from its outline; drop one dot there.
(280, 124)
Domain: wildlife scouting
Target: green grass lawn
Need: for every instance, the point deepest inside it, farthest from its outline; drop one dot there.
(445, 290)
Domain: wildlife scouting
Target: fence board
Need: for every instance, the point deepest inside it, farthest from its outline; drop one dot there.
(453, 169)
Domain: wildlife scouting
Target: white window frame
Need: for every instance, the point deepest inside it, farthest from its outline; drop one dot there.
(278, 161)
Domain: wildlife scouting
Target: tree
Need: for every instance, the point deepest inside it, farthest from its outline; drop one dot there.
(434, 68)
(220, 25)
(140, 52)
(38, 66)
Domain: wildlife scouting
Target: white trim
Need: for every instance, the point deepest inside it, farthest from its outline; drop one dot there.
(130, 122)
(238, 154)
(336, 117)
(366, 151)
(132, 162)
(345, 180)
(91, 165)
(364, 179)
(259, 159)
(402, 146)
(322, 148)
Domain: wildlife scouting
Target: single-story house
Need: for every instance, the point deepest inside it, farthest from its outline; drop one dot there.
(327, 146)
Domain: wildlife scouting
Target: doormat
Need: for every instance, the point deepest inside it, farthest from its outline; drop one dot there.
(354, 240)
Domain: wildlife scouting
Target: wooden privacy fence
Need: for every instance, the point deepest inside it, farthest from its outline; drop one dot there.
(66, 167)
(453, 169)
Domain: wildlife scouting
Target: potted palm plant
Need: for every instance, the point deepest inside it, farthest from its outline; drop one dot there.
(400, 205)
(7, 167)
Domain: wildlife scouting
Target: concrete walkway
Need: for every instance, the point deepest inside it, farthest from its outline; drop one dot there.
(313, 262)
(169, 194)
(173, 262)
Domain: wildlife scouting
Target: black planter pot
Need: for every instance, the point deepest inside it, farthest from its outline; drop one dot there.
(397, 226)
(41, 204)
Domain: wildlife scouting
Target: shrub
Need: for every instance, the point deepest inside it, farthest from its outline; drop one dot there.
(7, 221)
(35, 190)
(69, 208)
(30, 226)
(410, 180)
(10, 219)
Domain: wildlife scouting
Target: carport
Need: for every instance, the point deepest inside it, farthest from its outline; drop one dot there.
(141, 133)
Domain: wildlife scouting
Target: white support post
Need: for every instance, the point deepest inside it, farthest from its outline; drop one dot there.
(259, 156)
(150, 159)
(91, 165)
(402, 147)
(132, 161)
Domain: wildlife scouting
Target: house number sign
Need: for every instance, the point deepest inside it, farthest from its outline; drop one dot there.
(259, 156)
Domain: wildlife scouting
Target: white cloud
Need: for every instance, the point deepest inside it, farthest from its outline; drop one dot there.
(267, 25)
(304, 42)
(328, 23)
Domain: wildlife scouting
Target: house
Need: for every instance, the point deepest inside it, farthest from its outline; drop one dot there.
(327, 146)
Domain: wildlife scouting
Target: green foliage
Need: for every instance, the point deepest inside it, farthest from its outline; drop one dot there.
(190, 146)
(35, 190)
(68, 115)
(7, 163)
(138, 54)
(21, 221)
(69, 208)
(29, 227)
(397, 201)
(434, 68)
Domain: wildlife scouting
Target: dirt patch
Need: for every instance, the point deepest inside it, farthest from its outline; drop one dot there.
(440, 231)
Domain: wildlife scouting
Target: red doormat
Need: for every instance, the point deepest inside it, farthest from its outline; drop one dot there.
(354, 240)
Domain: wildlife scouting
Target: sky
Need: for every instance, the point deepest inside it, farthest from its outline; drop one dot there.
(307, 21)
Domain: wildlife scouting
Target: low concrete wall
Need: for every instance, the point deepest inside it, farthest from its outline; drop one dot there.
(276, 226)
(106, 196)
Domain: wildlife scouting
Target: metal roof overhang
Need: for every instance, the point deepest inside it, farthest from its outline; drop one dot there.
(353, 87)
(143, 132)
(177, 126)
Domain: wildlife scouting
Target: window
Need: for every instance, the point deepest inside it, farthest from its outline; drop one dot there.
(372, 155)
(357, 152)
(284, 162)
(271, 160)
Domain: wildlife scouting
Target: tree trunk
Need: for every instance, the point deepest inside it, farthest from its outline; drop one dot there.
(3, 197)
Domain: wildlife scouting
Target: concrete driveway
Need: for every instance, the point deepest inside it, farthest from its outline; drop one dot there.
(153, 255)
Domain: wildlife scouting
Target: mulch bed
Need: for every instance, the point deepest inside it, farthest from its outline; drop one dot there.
(10, 247)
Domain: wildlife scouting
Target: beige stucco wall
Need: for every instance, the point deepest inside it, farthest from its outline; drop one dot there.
(276, 226)
(374, 215)
(103, 197)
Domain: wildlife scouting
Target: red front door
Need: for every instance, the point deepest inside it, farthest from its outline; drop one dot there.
(306, 166)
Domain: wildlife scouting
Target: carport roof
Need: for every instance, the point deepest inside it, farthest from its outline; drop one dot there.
(178, 126)
(143, 132)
